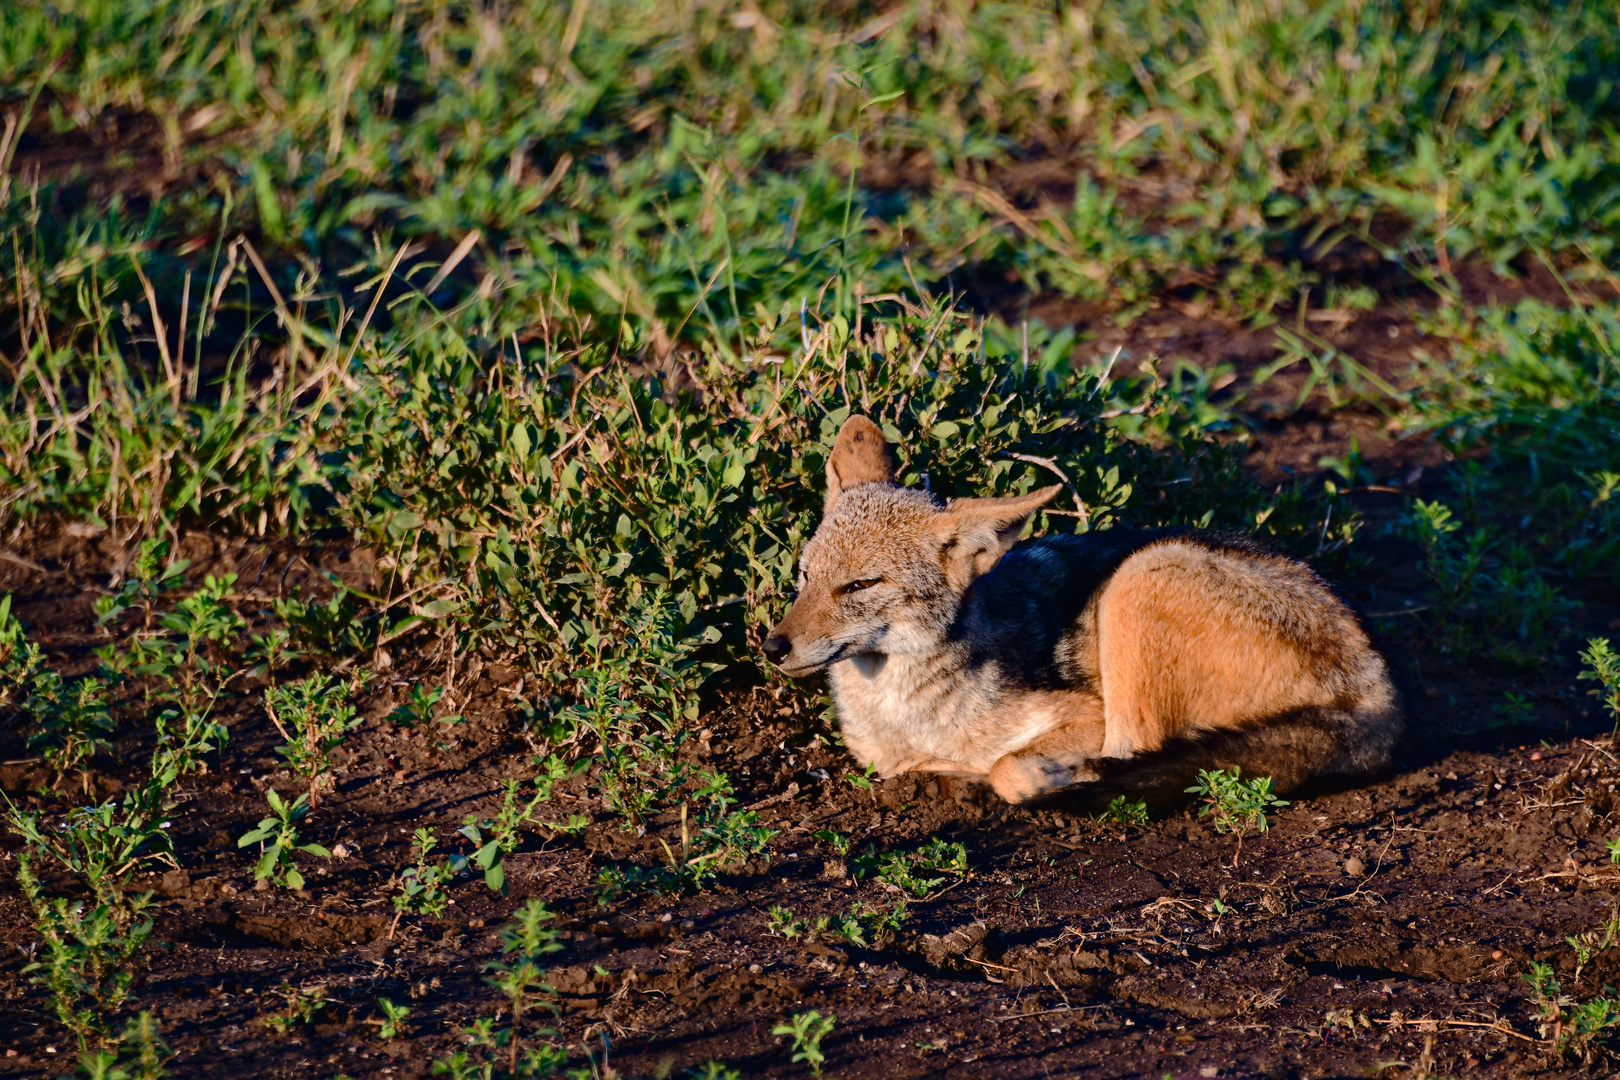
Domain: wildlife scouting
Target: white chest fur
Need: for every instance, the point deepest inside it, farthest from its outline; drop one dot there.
(898, 712)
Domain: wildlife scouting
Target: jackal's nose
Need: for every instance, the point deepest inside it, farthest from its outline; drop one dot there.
(777, 648)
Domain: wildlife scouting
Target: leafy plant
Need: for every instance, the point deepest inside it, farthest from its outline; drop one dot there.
(393, 1021)
(1123, 811)
(1601, 664)
(494, 838)
(907, 870)
(91, 952)
(314, 715)
(1573, 1026)
(302, 1006)
(418, 706)
(807, 1029)
(422, 886)
(277, 864)
(782, 922)
(521, 981)
(1233, 804)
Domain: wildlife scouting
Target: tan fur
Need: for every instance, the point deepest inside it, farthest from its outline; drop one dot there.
(1122, 657)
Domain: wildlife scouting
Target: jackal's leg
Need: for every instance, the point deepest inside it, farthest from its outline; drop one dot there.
(1058, 759)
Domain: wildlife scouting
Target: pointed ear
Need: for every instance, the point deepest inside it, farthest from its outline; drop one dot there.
(975, 533)
(860, 456)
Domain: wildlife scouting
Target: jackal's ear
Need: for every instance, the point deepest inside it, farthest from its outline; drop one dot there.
(975, 533)
(860, 456)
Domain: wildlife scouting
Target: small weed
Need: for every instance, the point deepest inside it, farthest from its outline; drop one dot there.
(521, 980)
(862, 780)
(1123, 811)
(1602, 666)
(864, 925)
(314, 715)
(1578, 1027)
(422, 886)
(494, 838)
(393, 1021)
(139, 1054)
(90, 954)
(1234, 804)
(908, 871)
(713, 1070)
(1592, 942)
(835, 840)
(782, 922)
(303, 1006)
(807, 1029)
(417, 708)
(281, 829)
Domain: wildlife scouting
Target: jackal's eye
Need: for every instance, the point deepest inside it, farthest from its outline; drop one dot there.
(858, 585)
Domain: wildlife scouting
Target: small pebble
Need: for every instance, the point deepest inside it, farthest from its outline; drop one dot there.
(666, 917)
(262, 885)
(754, 969)
(688, 924)
(1536, 756)
(476, 924)
(1497, 954)
(1354, 866)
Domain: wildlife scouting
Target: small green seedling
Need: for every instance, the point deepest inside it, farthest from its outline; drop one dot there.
(835, 840)
(417, 708)
(1123, 811)
(807, 1029)
(422, 887)
(281, 830)
(713, 1070)
(303, 1005)
(393, 1021)
(1234, 804)
(495, 838)
(862, 780)
(1571, 1025)
(782, 922)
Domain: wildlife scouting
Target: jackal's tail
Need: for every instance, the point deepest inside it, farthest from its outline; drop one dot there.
(1326, 747)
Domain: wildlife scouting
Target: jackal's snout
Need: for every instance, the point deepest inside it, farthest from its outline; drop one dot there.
(777, 648)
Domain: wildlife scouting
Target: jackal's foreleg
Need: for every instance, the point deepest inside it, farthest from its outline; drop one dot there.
(1058, 759)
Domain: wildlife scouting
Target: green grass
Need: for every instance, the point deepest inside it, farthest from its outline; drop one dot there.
(557, 309)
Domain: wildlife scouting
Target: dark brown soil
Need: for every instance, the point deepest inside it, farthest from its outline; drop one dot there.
(1072, 949)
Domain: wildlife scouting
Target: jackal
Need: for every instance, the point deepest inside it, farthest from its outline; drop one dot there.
(1120, 659)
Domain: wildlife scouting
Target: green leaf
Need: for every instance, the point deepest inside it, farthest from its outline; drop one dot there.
(495, 878)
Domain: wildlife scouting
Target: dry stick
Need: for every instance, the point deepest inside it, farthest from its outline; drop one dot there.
(292, 325)
(460, 252)
(1497, 1026)
(1083, 514)
(172, 376)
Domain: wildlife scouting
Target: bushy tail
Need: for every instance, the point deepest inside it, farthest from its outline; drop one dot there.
(1316, 746)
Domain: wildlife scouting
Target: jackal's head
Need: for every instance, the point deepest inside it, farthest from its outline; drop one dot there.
(887, 567)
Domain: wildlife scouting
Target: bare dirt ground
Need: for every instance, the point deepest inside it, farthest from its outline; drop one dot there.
(1387, 926)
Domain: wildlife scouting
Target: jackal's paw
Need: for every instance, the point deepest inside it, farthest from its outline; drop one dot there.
(1020, 777)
